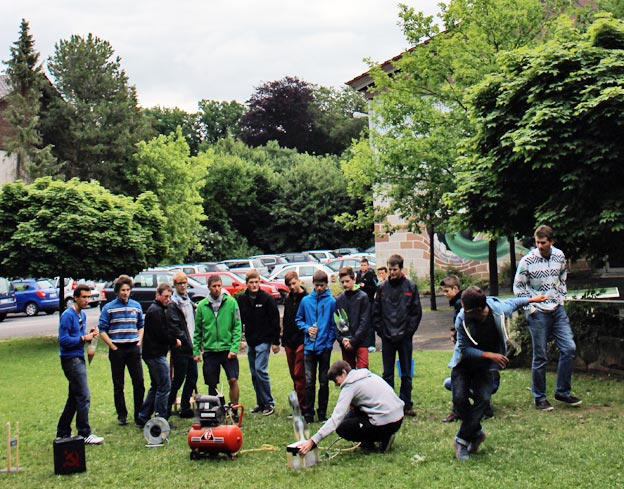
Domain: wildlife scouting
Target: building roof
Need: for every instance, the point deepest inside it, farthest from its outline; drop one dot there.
(364, 82)
(5, 87)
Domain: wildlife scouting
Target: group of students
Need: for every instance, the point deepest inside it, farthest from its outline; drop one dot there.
(367, 410)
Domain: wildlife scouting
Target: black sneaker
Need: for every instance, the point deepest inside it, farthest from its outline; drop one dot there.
(409, 411)
(122, 421)
(543, 405)
(473, 446)
(139, 423)
(267, 411)
(187, 414)
(386, 444)
(569, 400)
(257, 409)
(489, 413)
(235, 416)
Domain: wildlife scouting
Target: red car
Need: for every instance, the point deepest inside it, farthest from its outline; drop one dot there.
(233, 283)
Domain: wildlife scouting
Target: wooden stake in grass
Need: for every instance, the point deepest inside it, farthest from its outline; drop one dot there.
(12, 443)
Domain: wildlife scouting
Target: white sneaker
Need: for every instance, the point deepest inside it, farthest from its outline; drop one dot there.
(93, 439)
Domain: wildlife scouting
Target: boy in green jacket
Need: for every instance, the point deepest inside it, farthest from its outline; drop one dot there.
(217, 337)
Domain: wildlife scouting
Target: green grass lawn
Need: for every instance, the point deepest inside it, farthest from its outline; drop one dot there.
(565, 448)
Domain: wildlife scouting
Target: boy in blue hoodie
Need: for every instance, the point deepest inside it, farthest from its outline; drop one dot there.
(315, 318)
(481, 348)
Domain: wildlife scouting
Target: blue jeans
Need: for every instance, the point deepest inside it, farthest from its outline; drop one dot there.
(184, 372)
(476, 383)
(158, 393)
(258, 357)
(389, 351)
(542, 325)
(311, 362)
(78, 398)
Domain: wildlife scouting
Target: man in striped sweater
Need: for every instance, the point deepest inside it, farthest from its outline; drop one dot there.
(543, 271)
(121, 328)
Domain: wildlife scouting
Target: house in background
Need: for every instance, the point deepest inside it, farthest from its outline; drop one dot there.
(8, 163)
(462, 252)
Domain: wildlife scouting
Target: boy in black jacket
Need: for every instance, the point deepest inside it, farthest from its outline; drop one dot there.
(396, 317)
(156, 342)
(260, 318)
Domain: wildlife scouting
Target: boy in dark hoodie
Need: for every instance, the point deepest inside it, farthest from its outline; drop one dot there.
(352, 320)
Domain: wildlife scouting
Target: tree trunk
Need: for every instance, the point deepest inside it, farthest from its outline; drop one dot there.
(512, 258)
(432, 284)
(493, 266)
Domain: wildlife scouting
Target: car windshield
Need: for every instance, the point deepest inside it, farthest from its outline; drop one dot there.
(194, 282)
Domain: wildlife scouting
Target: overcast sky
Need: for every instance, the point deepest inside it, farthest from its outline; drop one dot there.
(178, 52)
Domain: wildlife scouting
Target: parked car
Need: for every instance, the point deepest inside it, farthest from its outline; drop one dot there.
(347, 261)
(292, 257)
(70, 286)
(146, 283)
(34, 295)
(247, 264)
(305, 270)
(234, 283)
(8, 301)
(338, 252)
(190, 268)
(322, 256)
(271, 261)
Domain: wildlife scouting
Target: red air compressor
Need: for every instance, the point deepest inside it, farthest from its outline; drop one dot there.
(216, 428)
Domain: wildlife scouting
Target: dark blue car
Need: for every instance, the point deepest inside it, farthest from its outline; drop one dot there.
(8, 303)
(35, 295)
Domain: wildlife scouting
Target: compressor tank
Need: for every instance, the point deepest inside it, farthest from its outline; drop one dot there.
(226, 439)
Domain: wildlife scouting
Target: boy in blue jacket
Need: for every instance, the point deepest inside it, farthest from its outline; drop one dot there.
(481, 347)
(315, 318)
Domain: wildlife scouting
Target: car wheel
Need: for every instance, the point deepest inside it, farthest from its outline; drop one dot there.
(2, 316)
(31, 309)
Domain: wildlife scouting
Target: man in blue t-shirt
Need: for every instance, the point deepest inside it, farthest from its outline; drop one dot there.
(72, 337)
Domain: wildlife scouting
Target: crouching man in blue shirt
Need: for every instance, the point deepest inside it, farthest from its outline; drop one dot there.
(481, 347)
(72, 337)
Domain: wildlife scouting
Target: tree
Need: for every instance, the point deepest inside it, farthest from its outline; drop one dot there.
(76, 229)
(312, 192)
(279, 111)
(165, 167)
(360, 169)
(421, 111)
(220, 120)
(238, 198)
(333, 124)
(165, 121)
(97, 122)
(297, 114)
(550, 140)
(26, 79)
